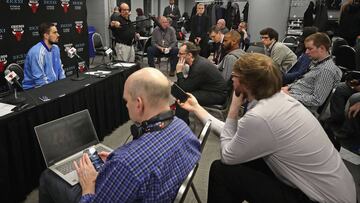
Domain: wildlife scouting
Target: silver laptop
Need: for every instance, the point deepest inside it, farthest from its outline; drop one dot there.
(63, 141)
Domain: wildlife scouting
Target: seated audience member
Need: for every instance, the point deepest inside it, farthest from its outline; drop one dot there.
(217, 37)
(143, 25)
(164, 43)
(200, 25)
(341, 124)
(221, 24)
(245, 36)
(150, 168)
(303, 62)
(315, 86)
(280, 53)
(204, 81)
(233, 53)
(277, 151)
(43, 63)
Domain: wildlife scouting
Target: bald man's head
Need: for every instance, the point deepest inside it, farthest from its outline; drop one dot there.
(149, 84)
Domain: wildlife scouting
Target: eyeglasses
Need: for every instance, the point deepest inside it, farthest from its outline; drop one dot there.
(264, 37)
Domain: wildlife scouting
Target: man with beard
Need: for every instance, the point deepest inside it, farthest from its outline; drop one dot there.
(277, 151)
(43, 63)
(233, 52)
(204, 81)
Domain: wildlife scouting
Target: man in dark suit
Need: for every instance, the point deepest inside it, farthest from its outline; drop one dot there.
(204, 80)
(173, 12)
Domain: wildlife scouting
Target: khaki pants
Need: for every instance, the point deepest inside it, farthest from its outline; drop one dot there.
(125, 52)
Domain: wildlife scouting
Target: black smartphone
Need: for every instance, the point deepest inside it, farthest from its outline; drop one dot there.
(179, 93)
(95, 158)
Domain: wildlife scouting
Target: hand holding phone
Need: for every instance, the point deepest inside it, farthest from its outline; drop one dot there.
(179, 93)
(95, 158)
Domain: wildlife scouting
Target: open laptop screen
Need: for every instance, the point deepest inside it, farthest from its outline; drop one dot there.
(66, 136)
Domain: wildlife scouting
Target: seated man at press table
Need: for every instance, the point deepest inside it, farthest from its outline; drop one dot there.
(150, 168)
(164, 43)
(43, 63)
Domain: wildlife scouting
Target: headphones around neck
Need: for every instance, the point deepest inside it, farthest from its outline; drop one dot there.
(155, 123)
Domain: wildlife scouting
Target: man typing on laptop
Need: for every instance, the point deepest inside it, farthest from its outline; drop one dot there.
(150, 168)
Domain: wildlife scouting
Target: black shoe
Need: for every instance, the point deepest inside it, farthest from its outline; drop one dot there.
(172, 73)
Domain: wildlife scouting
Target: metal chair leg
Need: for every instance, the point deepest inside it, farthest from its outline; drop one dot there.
(195, 193)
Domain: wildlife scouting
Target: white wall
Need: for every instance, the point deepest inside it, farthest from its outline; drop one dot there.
(98, 16)
(266, 13)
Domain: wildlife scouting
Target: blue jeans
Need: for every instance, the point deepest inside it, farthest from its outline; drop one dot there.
(153, 52)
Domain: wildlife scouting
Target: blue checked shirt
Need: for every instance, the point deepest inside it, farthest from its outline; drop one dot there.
(149, 169)
(313, 89)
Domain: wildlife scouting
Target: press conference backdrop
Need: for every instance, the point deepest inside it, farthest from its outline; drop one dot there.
(19, 29)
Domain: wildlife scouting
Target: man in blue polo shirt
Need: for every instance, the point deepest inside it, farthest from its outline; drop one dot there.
(43, 63)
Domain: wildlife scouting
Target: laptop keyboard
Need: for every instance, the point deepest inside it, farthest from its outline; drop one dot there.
(69, 166)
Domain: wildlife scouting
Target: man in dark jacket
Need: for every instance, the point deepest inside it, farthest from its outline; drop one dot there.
(204, 81)
(173, 12)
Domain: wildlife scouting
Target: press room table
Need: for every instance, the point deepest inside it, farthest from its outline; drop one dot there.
(21, 161)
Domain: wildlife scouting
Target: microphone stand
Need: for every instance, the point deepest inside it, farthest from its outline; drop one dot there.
(78, 78)
(16, 99)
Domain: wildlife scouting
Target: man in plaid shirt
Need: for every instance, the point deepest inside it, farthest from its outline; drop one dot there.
(150, 168)
(315, 86)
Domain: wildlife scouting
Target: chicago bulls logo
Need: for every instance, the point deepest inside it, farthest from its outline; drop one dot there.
(65, 4)
(18, 31)
(81, 66)
(78, 26)
(3, 62)
(34, 5)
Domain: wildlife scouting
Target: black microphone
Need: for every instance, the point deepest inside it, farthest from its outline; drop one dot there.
(12, 78)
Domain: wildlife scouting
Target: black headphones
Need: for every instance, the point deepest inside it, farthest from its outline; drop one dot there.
(153, 124)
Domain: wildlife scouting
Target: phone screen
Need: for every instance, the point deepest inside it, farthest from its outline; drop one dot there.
(179, 93)
(95, 158)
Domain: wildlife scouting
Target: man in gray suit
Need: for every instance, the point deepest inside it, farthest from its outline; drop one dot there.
(173, 12)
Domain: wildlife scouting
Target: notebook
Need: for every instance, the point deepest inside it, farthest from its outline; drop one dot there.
(64, 140)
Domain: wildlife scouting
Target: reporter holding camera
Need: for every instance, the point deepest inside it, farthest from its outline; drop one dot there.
(277, 151)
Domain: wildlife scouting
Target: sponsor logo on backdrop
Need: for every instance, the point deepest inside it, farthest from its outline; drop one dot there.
(69, 70)
(65, 27)
(50, 4)
(3, 62)
(17, 31)
(14, 5)
(79, 47)
(2, 32)
(34, 5)
(65, 4)
(78, 26)
(77, 5)
(34, 30)
(19, 59)
(82, 66)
